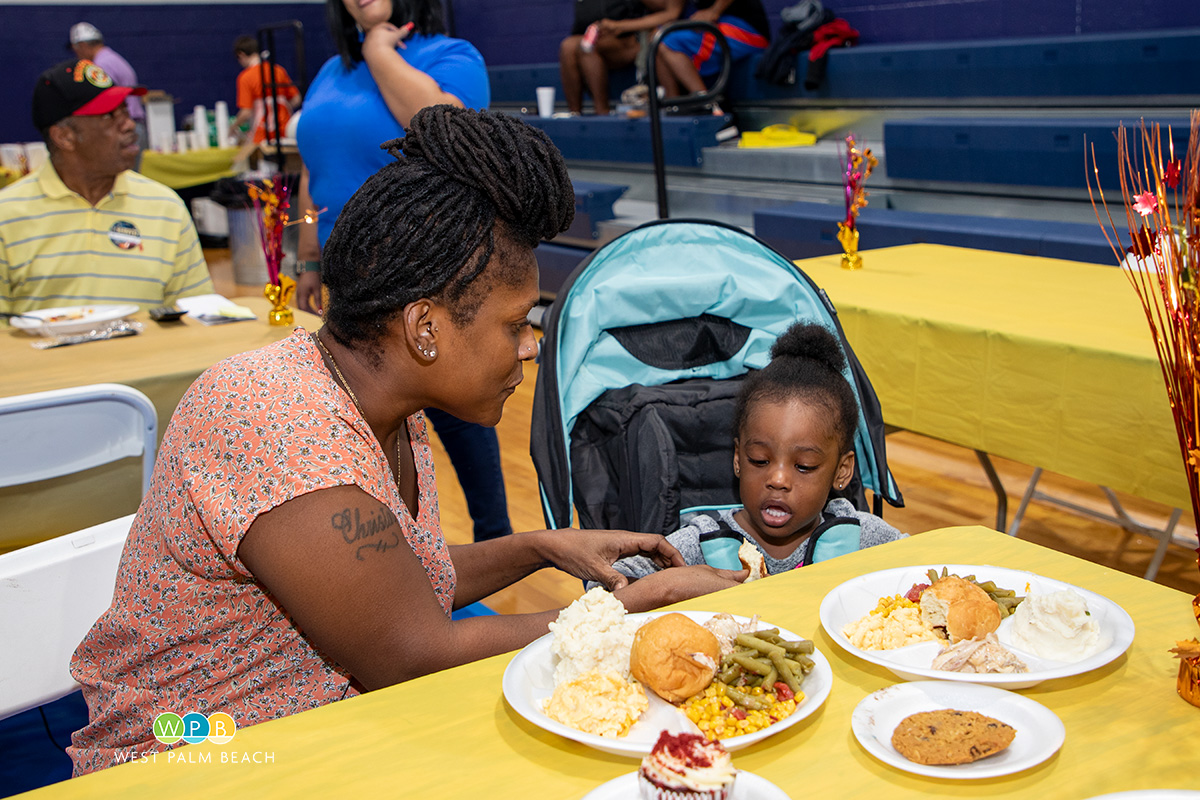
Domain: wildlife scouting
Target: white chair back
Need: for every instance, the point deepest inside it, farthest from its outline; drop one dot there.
(51, 593)
(47, 434)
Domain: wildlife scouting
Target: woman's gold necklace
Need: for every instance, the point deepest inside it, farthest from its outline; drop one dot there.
(342, 380)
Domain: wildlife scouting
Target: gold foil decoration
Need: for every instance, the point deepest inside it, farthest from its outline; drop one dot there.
(1188, 653)
(849, 239)
(280, 295)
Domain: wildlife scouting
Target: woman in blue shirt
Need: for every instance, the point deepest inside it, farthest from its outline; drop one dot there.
(394, 59)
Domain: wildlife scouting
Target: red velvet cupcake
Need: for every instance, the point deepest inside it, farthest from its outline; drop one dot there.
(686, 766)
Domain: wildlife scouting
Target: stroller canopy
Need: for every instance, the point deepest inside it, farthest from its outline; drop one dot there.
(618, 321)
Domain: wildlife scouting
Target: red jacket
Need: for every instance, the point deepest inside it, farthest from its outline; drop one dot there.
(831, 34)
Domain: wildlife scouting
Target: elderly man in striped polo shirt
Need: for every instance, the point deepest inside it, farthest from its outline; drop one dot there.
(84, 228)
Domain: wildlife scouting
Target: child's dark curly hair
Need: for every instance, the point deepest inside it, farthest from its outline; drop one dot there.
(806, 364)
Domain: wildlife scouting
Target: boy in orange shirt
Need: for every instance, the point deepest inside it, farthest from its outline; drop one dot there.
(253, 85)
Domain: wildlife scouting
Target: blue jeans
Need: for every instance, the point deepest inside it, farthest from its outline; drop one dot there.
(475, 452)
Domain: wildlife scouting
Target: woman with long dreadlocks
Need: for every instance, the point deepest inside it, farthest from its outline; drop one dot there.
(394, 59)
(288, 553)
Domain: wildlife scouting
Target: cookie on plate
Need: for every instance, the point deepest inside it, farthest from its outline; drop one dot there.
(948, 736)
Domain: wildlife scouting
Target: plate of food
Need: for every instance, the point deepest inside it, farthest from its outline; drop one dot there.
(964, 731)
(616, 681)
(70, 319)
(976, 624)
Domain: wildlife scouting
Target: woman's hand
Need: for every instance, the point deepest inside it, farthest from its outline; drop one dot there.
(308, 292)
(384, 38)
(707, 15)
(590, 554)
(674, 585)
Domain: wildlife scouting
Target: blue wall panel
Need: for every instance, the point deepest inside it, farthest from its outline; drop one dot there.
(185, 50)
(528, 31)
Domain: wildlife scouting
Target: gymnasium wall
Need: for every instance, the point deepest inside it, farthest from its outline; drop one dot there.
(185, 48)
(528, 31)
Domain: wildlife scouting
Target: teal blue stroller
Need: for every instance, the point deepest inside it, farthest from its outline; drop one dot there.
(643, 353)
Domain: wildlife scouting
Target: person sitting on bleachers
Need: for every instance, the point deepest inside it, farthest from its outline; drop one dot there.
(84, 228)
(685, 58)
(616, 44)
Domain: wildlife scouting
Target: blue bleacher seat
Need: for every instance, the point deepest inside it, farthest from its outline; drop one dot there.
(593, 205)
(1032, 151)
(592, 138)
(1138, 64)
(805, 230)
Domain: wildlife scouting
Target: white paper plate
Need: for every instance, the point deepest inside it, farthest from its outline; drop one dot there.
(748, 786)
(75, 319)
(1040, 733)
(857, 597)
(529, 679)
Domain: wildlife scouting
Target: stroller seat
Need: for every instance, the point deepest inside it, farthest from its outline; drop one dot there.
(642, 357)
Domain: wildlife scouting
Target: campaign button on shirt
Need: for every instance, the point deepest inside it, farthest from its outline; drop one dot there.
(125, 235)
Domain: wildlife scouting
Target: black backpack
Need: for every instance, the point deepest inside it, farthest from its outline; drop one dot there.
(778, 64)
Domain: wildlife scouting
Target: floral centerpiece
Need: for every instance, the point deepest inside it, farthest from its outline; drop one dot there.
(271, 204)
(1160, 195)
(858, 164)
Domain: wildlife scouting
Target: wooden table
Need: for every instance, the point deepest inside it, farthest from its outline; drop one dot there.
(452, 735)
(162, 362)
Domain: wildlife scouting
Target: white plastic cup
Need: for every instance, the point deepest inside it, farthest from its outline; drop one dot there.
(183, 141)
(545, 98)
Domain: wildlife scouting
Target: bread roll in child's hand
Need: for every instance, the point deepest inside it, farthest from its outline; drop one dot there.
(752, 559)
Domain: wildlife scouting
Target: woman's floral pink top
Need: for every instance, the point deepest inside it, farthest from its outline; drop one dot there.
(189, 628)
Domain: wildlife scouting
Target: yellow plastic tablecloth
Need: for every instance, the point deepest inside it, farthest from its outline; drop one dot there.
(161, 362)
(452, 735)
(193, 168)
(1043, 361)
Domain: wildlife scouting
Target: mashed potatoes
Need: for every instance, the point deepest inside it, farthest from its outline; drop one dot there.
(592, 635)
(903, 626)
(600, 703)
(1057, 626)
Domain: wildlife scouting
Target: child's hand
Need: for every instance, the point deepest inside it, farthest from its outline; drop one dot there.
(677, 583)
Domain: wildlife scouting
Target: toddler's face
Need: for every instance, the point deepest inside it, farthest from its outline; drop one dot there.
(786, 459)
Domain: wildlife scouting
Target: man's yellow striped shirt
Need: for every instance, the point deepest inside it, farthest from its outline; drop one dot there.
(137, 245)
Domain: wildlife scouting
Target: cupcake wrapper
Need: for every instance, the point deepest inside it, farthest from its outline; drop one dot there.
(652, 791)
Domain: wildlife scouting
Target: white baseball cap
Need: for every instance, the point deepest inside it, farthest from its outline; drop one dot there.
(85, 32)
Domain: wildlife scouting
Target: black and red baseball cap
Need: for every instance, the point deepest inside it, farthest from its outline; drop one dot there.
(76, 88)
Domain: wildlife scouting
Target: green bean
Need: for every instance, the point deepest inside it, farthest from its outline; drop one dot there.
(751, 664)
(802, 664)
(752, 642)
(802, 646)
(785, 672)
(747, 700)
(769, 679)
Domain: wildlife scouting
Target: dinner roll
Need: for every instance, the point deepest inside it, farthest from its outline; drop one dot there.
(961, 607)
(752, 559)
(674, 657)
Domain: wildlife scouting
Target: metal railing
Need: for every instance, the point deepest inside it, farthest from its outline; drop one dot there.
(685, 103)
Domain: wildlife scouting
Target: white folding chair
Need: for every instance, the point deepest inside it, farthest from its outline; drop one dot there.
(47, 434)
(51, 593)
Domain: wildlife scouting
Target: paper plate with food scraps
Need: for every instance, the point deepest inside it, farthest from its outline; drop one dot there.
(529, 684)
(70, 319)
(1047, 628)
(1036, 732)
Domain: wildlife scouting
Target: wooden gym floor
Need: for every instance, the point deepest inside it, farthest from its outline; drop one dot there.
(943, 485)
